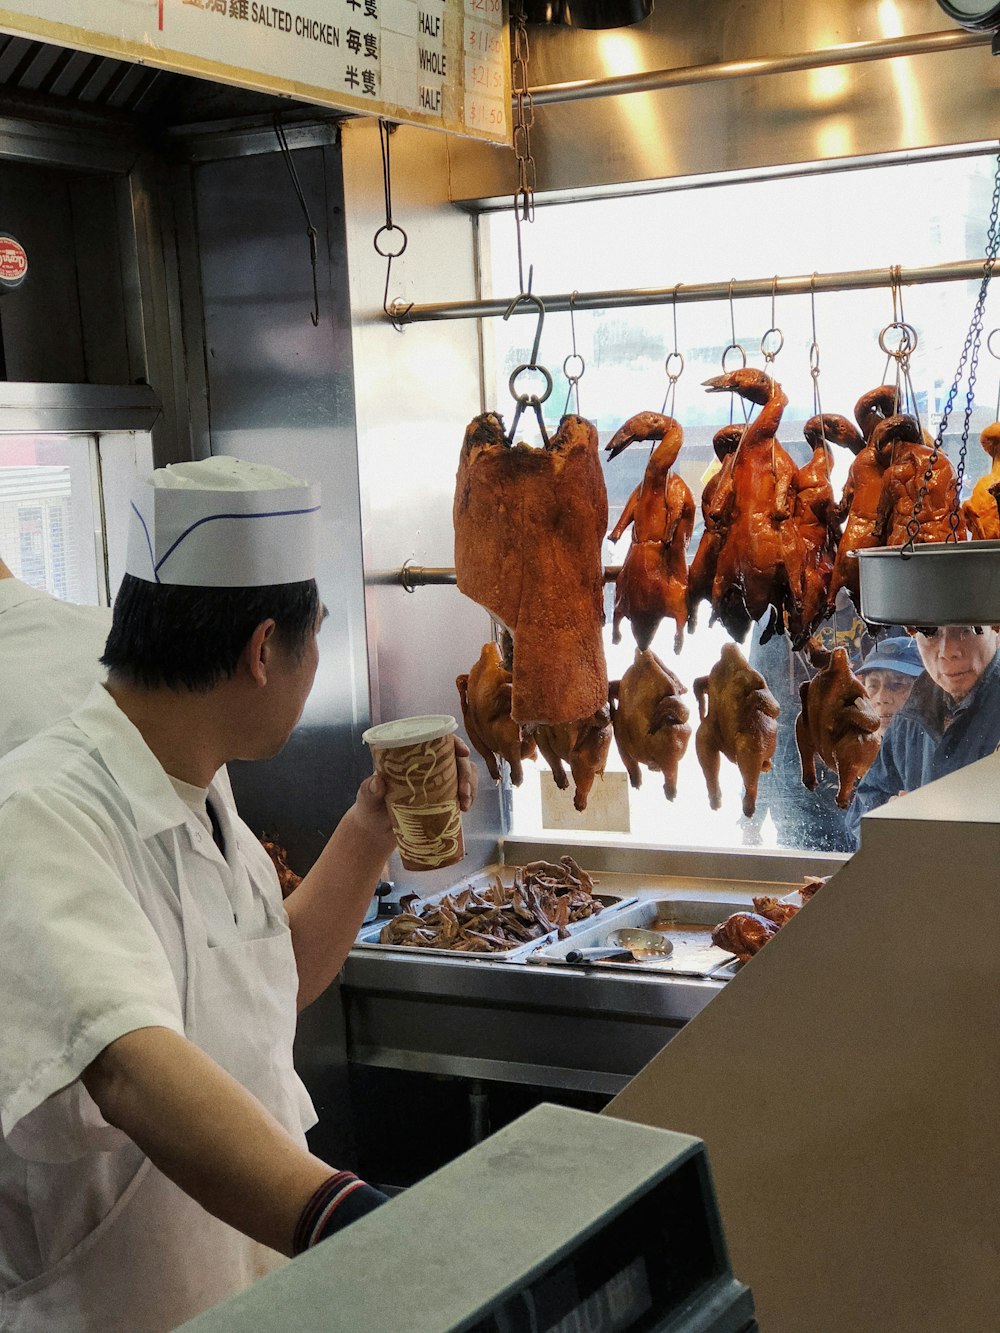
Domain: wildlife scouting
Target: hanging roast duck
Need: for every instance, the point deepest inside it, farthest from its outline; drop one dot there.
(739, 720)
(716, 512)
(910, 464)
(760, 562)
(837, 722)
(485, 694)
(816, 515)
(653, 581)
(650, 720)
(529, 525)
(981, 512)
(583, 745)
(859, 502)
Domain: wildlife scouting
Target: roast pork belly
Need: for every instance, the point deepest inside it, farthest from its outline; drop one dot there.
(529, 524)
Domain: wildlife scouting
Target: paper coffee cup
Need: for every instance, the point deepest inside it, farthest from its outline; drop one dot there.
(415, 757)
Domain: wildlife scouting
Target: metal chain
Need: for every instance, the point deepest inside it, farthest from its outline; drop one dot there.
(970, 354)
(524, 117)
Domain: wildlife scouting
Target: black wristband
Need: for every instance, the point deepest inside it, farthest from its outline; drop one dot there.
(337, 1203)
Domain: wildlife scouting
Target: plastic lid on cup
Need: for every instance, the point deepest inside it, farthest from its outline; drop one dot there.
(409, 731)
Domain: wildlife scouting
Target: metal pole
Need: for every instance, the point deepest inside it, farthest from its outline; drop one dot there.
(422, 576)
(850, 53)
(962, 270)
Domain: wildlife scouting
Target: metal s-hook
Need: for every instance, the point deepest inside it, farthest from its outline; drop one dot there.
(532, 400)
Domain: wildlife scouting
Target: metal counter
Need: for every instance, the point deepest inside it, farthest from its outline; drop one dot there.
(550, 1026)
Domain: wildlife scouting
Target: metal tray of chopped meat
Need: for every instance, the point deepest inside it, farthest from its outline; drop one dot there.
(369, 935)
(687, 922)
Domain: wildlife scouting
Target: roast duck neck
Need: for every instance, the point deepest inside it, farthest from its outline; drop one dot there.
(653, 581)
(529, 525)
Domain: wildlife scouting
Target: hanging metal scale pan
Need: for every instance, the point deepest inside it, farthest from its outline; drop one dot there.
(939, 583)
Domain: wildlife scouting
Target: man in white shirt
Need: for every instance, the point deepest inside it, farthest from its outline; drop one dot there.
(49, 657)
(153, 1158)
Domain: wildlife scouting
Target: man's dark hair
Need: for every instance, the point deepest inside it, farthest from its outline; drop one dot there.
(191, 638)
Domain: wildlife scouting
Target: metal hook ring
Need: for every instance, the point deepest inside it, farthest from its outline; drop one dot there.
(574, 357)
(781, 342)
(530, 398)
(673, 358)
(734, 347)
(814, 359)
(907, 339)
(989, 344)
(389, 254)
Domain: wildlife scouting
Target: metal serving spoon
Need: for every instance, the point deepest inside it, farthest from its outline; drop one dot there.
(629, 942)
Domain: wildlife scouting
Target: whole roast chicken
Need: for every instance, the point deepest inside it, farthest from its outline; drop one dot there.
(485, 696)
(650, 720)
(862, 491)
(907, 458)
(760, 563)
(529, 525)
(653, 581)
(837, 722)
(744, 934)
(739, 720)
(716, 512)
(816, 515)
(583, 745)
(981, 512)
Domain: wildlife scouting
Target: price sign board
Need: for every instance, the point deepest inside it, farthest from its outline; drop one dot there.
(444, 64)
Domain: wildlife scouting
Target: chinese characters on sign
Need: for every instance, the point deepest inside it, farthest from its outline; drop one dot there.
(439, 63)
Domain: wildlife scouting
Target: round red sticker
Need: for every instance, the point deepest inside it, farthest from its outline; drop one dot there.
(13, 262)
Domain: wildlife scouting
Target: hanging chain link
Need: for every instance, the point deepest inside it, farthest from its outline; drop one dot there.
(970, 355)
(524, 117)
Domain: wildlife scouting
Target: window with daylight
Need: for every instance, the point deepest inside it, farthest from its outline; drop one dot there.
(830, 221)
(63, 504)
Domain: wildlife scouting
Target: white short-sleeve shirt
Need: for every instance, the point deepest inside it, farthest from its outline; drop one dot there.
(49, 658)
(92, 947)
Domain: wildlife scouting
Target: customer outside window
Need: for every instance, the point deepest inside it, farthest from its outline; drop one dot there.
(952, 717)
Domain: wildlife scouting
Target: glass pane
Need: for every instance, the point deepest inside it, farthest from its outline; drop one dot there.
(49, 523)
(915, 214)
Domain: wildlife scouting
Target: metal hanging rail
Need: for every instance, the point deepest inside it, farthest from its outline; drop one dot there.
(425, 576)
(850, 53)
(962, 270)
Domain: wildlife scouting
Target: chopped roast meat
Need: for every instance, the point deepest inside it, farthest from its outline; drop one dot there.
(744, 934)
(543, 898)
(775, 910)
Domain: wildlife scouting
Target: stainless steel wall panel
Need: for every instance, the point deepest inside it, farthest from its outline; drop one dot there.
(416, 392)
(839, 113)
(281, 391)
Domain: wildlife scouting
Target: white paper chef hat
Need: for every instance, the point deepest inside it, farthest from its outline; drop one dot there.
(223, 523)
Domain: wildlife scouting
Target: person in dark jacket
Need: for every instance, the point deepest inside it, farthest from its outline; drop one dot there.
(952, 717)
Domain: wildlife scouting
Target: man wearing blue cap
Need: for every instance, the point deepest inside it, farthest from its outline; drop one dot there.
(152, 1127)
(951, 718)
(888, 673)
